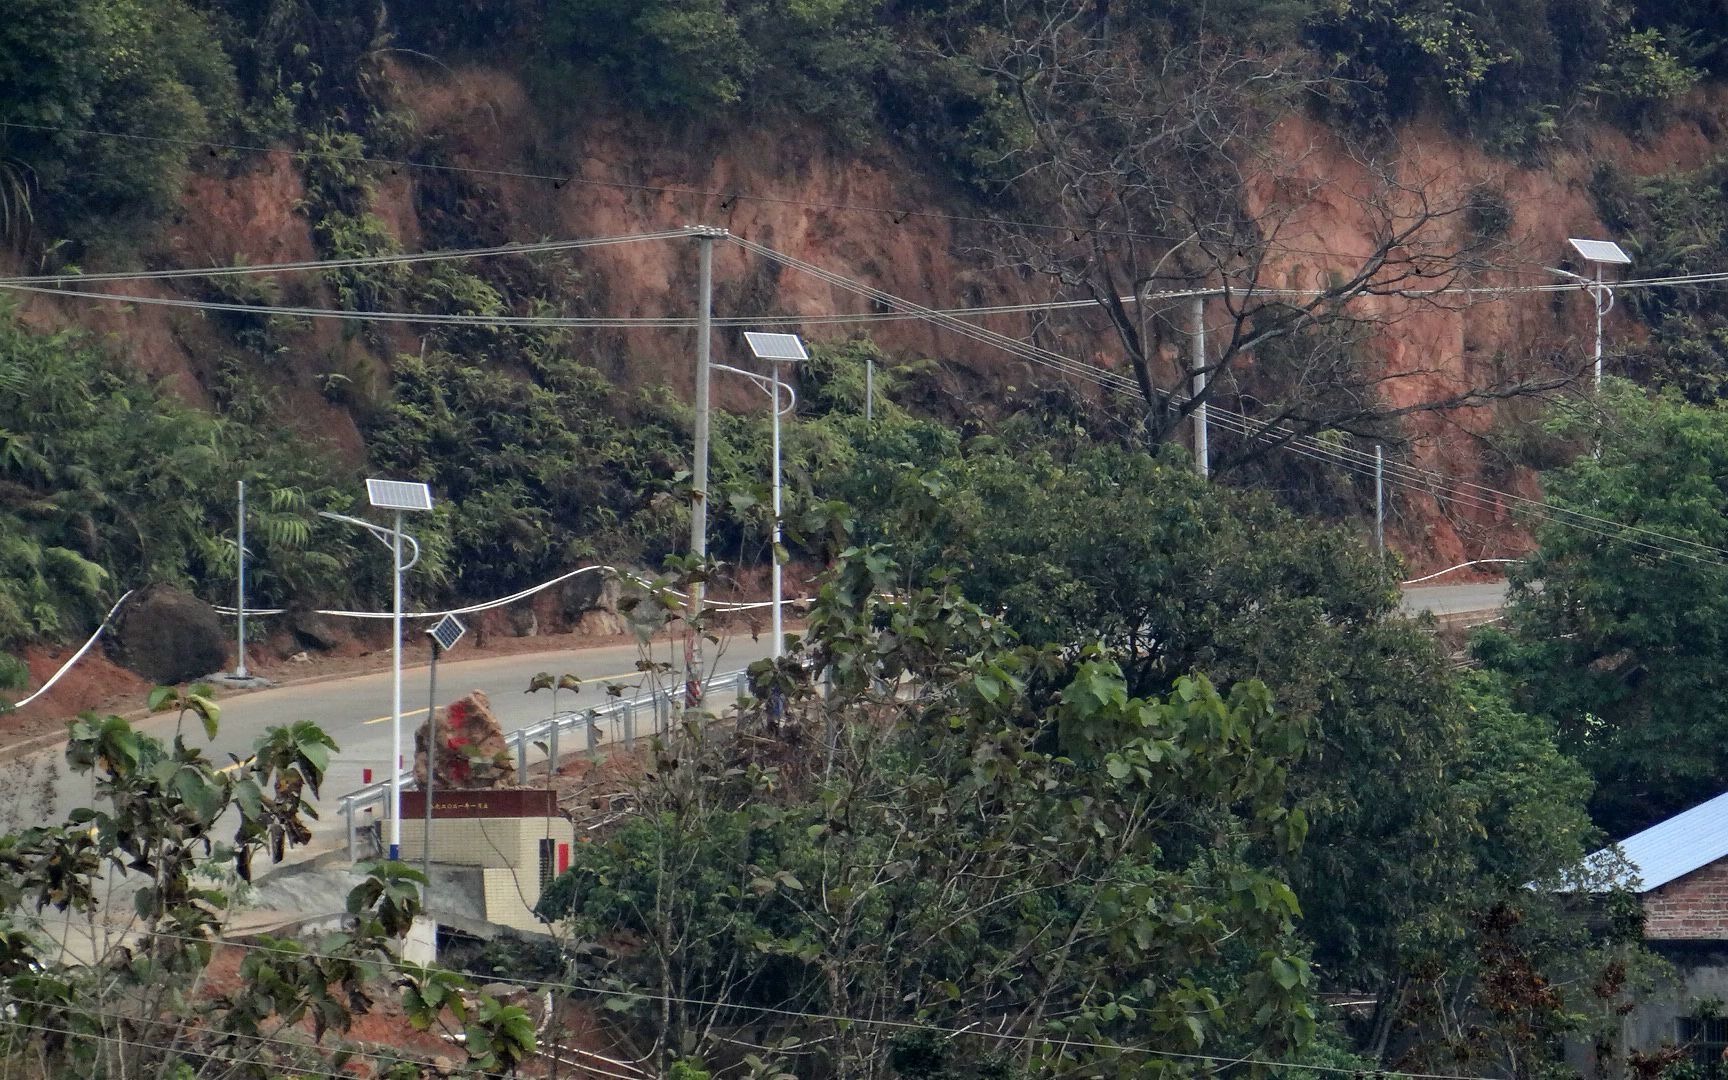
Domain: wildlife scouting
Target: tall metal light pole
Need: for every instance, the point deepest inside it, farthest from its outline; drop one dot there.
(1380, 498)
(396, 495)
(705, 236)
(1598, 253)
(240, 588)
(777, 349)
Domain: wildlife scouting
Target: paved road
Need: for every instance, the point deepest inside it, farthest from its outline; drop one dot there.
(356, 710)
(1455, 599)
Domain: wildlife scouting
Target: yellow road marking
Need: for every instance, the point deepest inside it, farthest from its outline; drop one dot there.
(386, 716)
(587, 681)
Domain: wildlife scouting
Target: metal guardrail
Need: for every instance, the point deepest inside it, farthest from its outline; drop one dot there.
(617, 719)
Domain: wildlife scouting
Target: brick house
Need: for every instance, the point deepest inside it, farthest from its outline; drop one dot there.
(1678, 869)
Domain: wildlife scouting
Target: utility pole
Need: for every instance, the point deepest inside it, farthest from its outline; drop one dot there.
(705, 237)
(1197, 368)
(1379, 498)
(240, 588)
(869, 387)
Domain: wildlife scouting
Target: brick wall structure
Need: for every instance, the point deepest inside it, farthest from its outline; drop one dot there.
(1690, 908)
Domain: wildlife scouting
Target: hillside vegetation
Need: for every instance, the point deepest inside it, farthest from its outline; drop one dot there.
(1172, 764)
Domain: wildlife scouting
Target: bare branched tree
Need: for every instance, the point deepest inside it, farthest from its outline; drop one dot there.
(1166, 167)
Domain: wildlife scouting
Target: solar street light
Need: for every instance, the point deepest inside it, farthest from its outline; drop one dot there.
(777, 349)
(397, 496)
(1598, 253)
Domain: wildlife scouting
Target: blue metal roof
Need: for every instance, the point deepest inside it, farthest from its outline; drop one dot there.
(1673, 848)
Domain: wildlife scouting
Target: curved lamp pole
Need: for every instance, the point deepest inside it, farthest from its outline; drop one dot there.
(398, 496)
(773, 387)
(1598, 253)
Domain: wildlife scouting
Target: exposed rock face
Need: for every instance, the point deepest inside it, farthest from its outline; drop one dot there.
(169, 636)
(591, 605)
(315, 630)
(471, 748)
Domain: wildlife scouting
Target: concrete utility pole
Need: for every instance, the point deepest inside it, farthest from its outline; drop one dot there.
(1379, 498)
(869, 387)
(1197, 368)
(705, 236)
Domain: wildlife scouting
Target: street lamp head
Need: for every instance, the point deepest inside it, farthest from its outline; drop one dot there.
(1600, 251)
(398, 495)
(775, 346)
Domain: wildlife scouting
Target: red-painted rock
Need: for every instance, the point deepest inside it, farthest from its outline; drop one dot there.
(471, 748)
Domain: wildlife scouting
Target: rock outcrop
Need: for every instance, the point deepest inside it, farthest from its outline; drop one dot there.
(471, 748)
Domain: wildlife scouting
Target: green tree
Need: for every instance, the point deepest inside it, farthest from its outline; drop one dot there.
(1070, 543)
(1433, 802)
(1010, 842)
(149, 72)
(151, 844)
(1616, 639)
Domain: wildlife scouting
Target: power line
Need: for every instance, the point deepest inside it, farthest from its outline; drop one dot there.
(1450, 491)
(1215, 1060)
(540, 247)
(1466, 492)
(672, 322)
(899, 308)
(186, 1051)
(261, 1040)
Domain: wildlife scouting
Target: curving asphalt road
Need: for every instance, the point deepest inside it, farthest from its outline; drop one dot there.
(356, 710)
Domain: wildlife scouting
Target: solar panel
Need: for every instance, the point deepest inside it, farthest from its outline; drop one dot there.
(399, 495)
(1600, 251)
(448, 632)
(776, 346)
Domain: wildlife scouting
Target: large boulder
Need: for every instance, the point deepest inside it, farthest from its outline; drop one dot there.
(471, 748)
(169, 636)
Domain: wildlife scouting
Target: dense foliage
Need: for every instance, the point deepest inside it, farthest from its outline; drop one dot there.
(1071, 542)
(1016, 843)
(1616, 639)
(1674, 224)
(107, 482)
(151, 844)
(74, 75)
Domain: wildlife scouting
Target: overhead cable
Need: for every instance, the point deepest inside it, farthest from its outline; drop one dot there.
(1466, 492)
(1214, 1061)
(541, 247)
